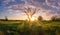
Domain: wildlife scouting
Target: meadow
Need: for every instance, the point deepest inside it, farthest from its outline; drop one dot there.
(32, 28)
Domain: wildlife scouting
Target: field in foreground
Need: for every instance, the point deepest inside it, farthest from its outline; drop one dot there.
(32, 28)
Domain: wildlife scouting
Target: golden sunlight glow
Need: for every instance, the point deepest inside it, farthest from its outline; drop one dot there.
(33, 19)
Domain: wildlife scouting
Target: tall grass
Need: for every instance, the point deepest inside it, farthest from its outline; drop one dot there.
(33, 28)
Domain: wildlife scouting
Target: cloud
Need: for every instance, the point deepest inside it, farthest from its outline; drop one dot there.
(19, 6)
(53, 3)
(47, 7)
(13, 14)
(6, 1)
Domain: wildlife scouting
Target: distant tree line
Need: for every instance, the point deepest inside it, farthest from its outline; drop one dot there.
(6, 19)
(40, 18)
(55, 18)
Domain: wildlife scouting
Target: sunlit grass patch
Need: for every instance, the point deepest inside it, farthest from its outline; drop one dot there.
(32, 28)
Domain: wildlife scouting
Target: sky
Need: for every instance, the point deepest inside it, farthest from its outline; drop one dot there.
(11, 8)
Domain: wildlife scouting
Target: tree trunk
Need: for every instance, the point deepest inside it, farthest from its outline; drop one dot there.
(29, 18)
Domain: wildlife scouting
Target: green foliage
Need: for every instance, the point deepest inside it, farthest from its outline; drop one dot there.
(33, 28)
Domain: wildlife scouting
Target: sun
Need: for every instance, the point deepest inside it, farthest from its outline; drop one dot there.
(33, 19)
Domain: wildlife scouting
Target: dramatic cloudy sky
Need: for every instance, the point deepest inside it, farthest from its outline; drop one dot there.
(11, 8)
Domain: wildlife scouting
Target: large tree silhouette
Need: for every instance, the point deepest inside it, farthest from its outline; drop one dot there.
(30, 12)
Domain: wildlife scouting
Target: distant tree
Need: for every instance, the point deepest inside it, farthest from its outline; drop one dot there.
(40, 18)
(6, 19)
(53, 18)
(57, 19)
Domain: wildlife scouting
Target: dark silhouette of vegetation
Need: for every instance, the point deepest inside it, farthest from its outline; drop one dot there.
(6, 19)
(29, 11)
(40, 18)
(55, 18)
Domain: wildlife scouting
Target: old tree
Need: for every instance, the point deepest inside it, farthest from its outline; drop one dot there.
(29, 11)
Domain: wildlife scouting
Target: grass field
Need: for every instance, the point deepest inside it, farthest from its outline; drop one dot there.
(32, 28)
